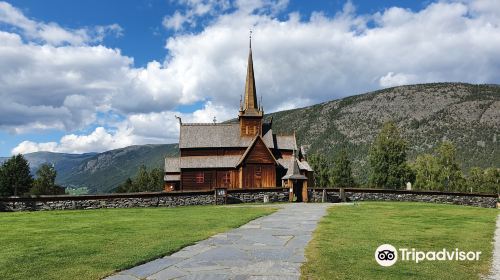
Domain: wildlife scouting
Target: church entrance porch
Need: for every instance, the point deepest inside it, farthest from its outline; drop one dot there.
(298, 190)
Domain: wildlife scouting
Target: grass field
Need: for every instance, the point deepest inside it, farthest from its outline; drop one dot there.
(344, 244)
(91, 244)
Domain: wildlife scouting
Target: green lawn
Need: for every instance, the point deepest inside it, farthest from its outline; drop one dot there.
(344, 244)
(91, 244)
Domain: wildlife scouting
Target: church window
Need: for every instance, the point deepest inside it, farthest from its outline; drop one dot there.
(200, 177)
(258, 171)
(226, 179)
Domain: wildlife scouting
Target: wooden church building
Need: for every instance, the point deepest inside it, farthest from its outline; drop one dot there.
(240, 155)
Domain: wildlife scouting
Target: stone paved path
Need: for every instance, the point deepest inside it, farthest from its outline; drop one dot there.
(495, 270)
(270, 247)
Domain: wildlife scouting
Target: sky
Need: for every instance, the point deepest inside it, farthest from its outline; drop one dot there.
(91, 76)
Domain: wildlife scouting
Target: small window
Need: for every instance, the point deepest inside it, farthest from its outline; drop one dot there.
(226, 179)
(258, 171)
(246, 129)
(200, 178)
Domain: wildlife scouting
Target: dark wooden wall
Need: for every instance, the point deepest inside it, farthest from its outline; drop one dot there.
(259, 154)
(212, 179)
(234, 179)
(259, 176)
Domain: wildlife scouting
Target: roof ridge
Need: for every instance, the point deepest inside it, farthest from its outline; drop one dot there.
(208, 124)
(210, 156)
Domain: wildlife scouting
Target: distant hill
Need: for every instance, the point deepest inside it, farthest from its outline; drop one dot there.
(101, 172)
(468, 115)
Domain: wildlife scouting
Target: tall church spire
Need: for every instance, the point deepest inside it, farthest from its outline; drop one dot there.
(250, 105)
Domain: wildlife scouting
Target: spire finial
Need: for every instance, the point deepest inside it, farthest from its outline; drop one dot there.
(250, 37)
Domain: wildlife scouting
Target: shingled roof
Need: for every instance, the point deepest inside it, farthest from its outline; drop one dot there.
(286, 142)
(170, 178)
(303, 165)
(209, 161)
(293, 171)
(227, 135)
(172, 165)
(212, 136)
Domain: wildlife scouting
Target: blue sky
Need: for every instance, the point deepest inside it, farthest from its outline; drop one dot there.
(144, 36)
(96, 75)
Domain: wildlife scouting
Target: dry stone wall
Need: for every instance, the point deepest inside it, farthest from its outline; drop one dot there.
(235, 196)
(468, 199)
(139, 200)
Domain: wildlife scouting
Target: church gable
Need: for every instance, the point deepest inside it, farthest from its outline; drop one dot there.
(258, 153)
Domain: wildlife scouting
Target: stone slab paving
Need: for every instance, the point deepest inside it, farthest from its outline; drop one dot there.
(270, 247)
(495, 269)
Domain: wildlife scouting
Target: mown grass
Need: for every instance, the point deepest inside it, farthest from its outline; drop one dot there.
(344, 244)
(91, 244)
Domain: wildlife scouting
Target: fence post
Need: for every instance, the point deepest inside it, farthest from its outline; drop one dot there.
(323, 196)
(215, 196)
(342, 195)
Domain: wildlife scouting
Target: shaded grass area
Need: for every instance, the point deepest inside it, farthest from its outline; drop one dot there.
(344, 244)
(91, 244)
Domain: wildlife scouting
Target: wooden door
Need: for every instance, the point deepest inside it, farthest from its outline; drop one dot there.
(257, 176)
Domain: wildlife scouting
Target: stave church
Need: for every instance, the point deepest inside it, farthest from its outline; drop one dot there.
(244, 154)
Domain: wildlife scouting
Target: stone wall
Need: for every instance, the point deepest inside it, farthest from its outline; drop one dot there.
(274, 195)
(469, 199)
(162, 199)
(174, 199)
(66, 203)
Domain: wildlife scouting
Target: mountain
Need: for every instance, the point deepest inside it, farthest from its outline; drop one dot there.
(468, 115)
(101, 172)
(105, 171)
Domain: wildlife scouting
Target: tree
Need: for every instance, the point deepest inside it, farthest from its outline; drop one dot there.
(450, 173)
(156, 179)
(127, 186)
(387, 159)
(45, 182)
(321, 170)
(342, 172)
(142, 181)
(15, 176)
(426, 169)
(475, 180)
(492, 180)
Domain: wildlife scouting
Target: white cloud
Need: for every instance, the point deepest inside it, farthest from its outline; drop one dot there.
(392, 80)
(99, 140)
(175, 21)
(136, 129)
(31, 147)
(52, 33)
(194, 10)
(297, 62)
